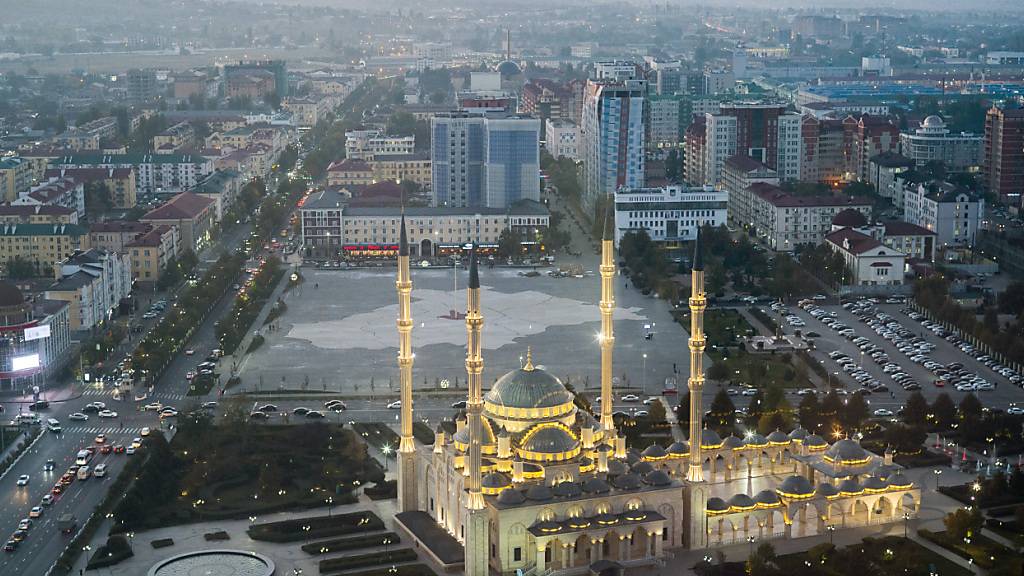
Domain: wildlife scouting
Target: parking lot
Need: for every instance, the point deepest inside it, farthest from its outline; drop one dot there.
(885, 349)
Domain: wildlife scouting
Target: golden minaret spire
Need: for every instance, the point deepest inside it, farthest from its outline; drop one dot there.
(607, 306)
(698, 303)
(407, 499)
(474, 373)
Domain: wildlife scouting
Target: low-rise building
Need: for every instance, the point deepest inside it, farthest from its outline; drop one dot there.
(154, 173)
(349, 172)
(320, 217)
(738, 173)
(869, 262)
(366, 144)
(15, 177)
(115, 235)
(402, 167)
(223, 187)
(562, 138)
(194, 215)
(37, 340)
(64, 192)
(93, 283)
(41, 244)
(174, 138)
(784, 221)
(669, 214)
(883, 170)
(152, 251)
(37, 215)
(120, 182)
(916, 242)
(308, 110)
(88, 136)
(951, 212)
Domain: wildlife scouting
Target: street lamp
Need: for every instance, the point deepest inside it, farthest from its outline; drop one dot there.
(906, 520)
(386, 450)
(643, 376)
(386, 542)
(831, 530)
(306, 529)
(330, 504)
(936, 472)
(750, 541)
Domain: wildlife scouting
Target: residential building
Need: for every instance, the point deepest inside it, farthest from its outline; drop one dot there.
(154, 173)
(784, 221)
(875, 66)
(223, 187)
(932, 142)
(761, 130)
(15, 177)
(562, 138)
(194, 215)
(115, 235)
(874, 135)
(612, 138)
(152, 251)
(321, 221)
(670, 214)
(366, 144)
(1004, 58)
(718, 81)
(1003, 155)
(349, 172)
(174, 138)
(255, 85)
(93, 283)
(308, 110)
(141, 85)
(37, 334)
(120, 182)
(827, 149)
(88, 136)
(738, 174)
(666, 122)
(668, 79)
(883, 171)
(918, 243)
(485, 160)
(37, 215)
(869, 262)
(278, 68)
(954, 214)
(617, 71)
(544, 99)
(403, 167)
(192, 84)
(695, 172)
(41, 244)
(65, 192)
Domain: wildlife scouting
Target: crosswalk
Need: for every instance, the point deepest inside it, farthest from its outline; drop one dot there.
(133, 430)
(94, 392)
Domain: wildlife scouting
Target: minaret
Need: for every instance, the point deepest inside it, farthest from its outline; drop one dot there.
(698, 302)
(607, 306)
(476, 546)
(407, 493)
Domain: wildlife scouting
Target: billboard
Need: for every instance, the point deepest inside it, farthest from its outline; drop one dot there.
(19, 363)
(37, 332)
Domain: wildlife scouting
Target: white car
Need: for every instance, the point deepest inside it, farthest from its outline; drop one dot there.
(108, 414)
(1015, 411)
(189, 352)
(750, 392)
(395, 405)
(23, 480)
(78, 416)
(35, 512)
(145, 431)
(883, 413)
(630, 398)
(153, 406)
(650, 400)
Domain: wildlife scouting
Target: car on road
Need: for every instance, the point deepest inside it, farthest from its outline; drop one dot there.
(11, 545)
(300, 411)
(189, 352)
(642, 413)
(145, 431)
(339, 407)
(209, 405)
(107, 414)
(118, 449)
(267, 408)
(259, 415)
(39, 405)
(314, 414)
(883, 413)
(1015, 411)
(25, 524)
(150, 315)
(130, 450)
(190, 374)
(101, 438)
(651, 400)
(106, 449)
(630, 398)
(78, 416)
(35, 512)
(19, 535)
(50, 465)
(750, 392)
(23, 480)
(47, 500)
(395, 405)
(153, 406)
(168, 413)
(460, 405)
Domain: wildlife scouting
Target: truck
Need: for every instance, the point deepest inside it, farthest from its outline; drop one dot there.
(66, 523)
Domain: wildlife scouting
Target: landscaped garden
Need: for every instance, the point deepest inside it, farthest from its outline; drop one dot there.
(351, 543)
(347, 563)
(238, 470)
(316, 527)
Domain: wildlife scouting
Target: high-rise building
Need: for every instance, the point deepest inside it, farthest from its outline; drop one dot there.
(666, 120)
(932, 142)
(763, 131)
(617, 70)
(486, 160)
(1004, 154)
(141, 85)
(612, 137)
(667, 77)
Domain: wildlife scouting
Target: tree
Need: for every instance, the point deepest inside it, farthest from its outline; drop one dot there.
(810, 412)
(723, 411)
(762, 561)
(855, 412)
(944, 411)
(509, 243)
(905, 439)
(717, 372)
(915, 412)
(970, 408)
(656, 413)
(962, 523)
(683, 409)
(19, 268)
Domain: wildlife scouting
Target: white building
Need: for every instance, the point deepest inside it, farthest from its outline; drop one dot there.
(784, 221)
(154, 173)
(671, 213)
(763, 131)
(1003, 58)
(66, 192)
(932, 142)
(876, 66)
(616, 70)
(869, 262)
(365, 144)
(664, 125)
(951, 212)
(562, 138)
(93, 283)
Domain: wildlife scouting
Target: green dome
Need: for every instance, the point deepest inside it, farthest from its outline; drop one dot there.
(528, 388)
(549, 440)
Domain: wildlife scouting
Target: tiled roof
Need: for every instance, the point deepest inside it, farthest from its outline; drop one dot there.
(349, 165)
(858, 243)
(151, 238)
(121, 226)
(898, 228)
(88, 174)
(26, 211)
(42, 230)
(782, 199)
(744, 163)
(183, 206)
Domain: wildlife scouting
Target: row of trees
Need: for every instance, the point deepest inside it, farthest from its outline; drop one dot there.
(232, 328)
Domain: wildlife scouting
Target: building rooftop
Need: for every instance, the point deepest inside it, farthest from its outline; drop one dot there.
(121, 226)
(26, 211)
(72, 282)
(183, 206)
(327, 198)
(42, 230)
(127, 159)
(349, 165)
(215, 182)
(88, 174)
(745, 163)
(898, 228)
(522, 208)
(852, 241)
(151, 238)
(782, 199)
(892, 160)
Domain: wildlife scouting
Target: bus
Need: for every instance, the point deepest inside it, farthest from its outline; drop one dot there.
(83, 457)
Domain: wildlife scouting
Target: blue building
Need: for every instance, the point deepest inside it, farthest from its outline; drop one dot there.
(484, 160)
(612, 137)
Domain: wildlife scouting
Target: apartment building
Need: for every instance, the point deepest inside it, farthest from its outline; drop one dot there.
(93, 283)
(366, 144)
(612, 137)
(37, 215)
(933, 142)
(194, 215)
(403, 167)
(738, 174)
(1003, 154)
(154, 173)
(15, 177)
(152, 251)
(41, 244)
(954, 214)
(65, 192)
(762, 130)
(784, 221)
(349, 172)
(562, 138)
(120, 182)
(669, 214)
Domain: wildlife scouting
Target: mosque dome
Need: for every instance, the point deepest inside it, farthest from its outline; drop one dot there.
(798, 433)
(850, 487)
(461, 437)
(539, 493)
(641, 468)
(815, 442)
(679, 449)
(716, 504)
(825, 489)
(710, 439)
(796, 486)
(766, 498)
(528, 392)
(616, 467)
(549, 442)
(899, 481)
(596, 486)
(778, 437)
(511, 497)
(849, 218)
(875, 484)
(495, 481)
(654, 452)
(633, 456)
(626, 482)
(567, 489)
(741, 501)
(846, 451)
(508, 69)
(756, 440)
(657, 478)
(732, 442)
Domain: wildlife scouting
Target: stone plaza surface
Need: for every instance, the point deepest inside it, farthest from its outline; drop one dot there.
(339, 331)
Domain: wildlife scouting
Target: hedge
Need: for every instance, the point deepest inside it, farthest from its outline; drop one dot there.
(162, 543)
(320, 527)
(355, 542)
(403, 570)
(347, 563)
(115, 551)
(382, 490)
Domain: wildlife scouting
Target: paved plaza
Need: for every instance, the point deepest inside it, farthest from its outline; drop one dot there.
(339, 331)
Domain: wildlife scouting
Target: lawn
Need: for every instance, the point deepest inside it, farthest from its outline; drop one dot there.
(352, 543)
(10, 435)
(984, 552)
(316, 527)
(888, 556)
(347, 563)
(723, 326)
(201, 385)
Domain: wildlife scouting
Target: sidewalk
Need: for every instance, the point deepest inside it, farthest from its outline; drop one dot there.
(238, 358)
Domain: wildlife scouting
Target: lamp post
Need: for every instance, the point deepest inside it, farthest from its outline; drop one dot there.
(386, 450)
(937, 472)
(750, 542)
(906, 521)
(831, 528)
(386, 542)
(306, 530)
(330, 504)
(643, 376)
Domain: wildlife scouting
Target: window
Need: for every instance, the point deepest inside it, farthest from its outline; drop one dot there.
(517, 554)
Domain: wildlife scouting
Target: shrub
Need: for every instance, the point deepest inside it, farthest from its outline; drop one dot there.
(116, 550)
(216, 536)
(355, 542)
(162, 543)
(347, 563)
(319, 527)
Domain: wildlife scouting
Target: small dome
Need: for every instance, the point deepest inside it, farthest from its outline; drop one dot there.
(606, 519)
(550, 440)
(796, 486)
(548, 526)
(596, 486)
(933, 122)
(900, 481)
(849, 218)
(850, 486)
(617, 467)
(716, 505)
(741, 501)
(508, 69)
(825, 489)
(710, 439)
(567, 490)
(875, 483)
(495, 480)
(756, 440)
(511, 497)
(539, 493)
(846, 451)
(679, 449)
(654, 451)
(657, 478)
(778, 437)
(815, 441)
(528, 388)
(10, 295)
(732, 442)
(626, 482)
(462, 436)
(641, 468)
(766, 497)
(885, 471)
(798, 433)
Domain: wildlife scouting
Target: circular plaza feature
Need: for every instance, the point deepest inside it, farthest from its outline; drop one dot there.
(214, 563)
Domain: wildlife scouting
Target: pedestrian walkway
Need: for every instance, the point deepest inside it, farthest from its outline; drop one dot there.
(103, 429)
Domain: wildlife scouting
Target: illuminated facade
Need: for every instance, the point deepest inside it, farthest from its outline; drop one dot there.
(530, 481)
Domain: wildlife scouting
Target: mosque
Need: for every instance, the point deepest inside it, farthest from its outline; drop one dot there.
(530, 483)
